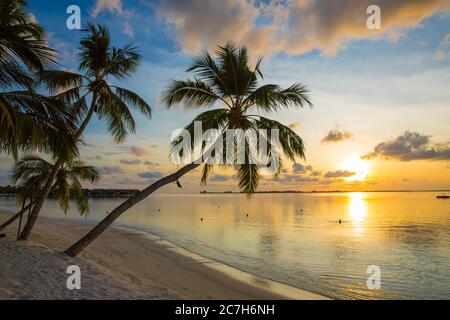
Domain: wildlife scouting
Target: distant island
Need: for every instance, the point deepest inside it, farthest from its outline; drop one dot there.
(91, 193)
(319, 191)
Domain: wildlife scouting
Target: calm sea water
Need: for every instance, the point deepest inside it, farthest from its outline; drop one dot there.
(296, 238)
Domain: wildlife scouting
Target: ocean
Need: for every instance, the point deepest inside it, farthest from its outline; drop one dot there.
(297, 239)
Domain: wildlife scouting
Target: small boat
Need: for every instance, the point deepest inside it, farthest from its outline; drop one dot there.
(442, 196)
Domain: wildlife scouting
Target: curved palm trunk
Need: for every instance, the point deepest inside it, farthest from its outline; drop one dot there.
(14, 217)
(48, 185)
(110, 218)
(40, 201)
(20, 220)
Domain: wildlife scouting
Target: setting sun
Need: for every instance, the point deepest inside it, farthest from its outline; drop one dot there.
(358, 166)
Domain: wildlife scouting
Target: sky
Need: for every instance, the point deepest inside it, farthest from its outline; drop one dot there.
(381, 97)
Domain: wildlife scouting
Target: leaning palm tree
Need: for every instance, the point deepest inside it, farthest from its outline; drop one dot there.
(230, 82)
(100, 62)
(31, 172)
(27, 120)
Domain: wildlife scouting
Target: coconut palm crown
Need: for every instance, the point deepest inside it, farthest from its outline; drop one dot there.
(31, 172)
(28, 120)
(229, 81)
(100, 63)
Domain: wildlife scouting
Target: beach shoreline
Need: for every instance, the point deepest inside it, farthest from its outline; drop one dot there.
(123, 263)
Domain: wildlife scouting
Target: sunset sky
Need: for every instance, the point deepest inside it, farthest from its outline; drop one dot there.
(381, 97)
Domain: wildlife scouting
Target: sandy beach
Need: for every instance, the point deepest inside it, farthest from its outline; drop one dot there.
(121, 264)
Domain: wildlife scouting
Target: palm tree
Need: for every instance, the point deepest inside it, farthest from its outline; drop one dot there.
(27, 120)
(228, 81)
(100, 62)
(31, 172)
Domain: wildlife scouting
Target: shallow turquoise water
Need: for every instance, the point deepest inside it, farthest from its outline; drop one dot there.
(296, 238)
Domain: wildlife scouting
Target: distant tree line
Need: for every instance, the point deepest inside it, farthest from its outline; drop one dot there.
(8, 189)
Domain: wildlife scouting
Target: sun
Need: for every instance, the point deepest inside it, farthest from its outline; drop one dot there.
(356, 165)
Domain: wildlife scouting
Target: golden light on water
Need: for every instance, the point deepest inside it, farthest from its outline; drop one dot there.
(358, 212)
(357, 207)
(356, 165)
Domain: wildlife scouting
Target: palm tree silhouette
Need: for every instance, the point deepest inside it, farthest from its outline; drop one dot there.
(99, 63)
(31, 172)
(228, 80)
(28, 120)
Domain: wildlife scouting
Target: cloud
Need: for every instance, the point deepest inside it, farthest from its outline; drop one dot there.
(443, 47)
(32, 18)
(150, 175)
(94, 158)
(336, 136)
(113, 6)
(220, 177)
(292, 26)
(299, 168)
(339, 174)
(315, 173)
(139, 151)
(410, 146)
(440, 55)
(294, 125)
(151, 163)
(130, 161)
(200, 23)
(292, 178)
(128, 30)
(108, 170)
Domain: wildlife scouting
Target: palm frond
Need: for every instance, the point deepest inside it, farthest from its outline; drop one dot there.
(248, 177)
(206, 171)
(76, 194)
(22, 47)
(95, 50)
(192, 93)
(122, 62)
(206, 69)
(86, 173)
(118, 117)
(57, 81)
(134, 100)
(30, 166)
(271, 97)
(210, 120)
(291, 143)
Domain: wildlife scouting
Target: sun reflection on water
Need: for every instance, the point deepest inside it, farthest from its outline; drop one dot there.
(357, 210)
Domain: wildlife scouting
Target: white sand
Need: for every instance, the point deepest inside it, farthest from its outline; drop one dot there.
(121, 264)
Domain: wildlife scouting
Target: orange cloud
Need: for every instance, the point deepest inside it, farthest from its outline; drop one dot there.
(292, 27)
(114, 6)
(336, 136)
(139, 151)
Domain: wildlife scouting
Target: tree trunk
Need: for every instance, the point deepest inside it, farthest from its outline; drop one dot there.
(14, 218)
(21, 215)
(40, 201)
(29, 210)
(48, 185)
(110, 218)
